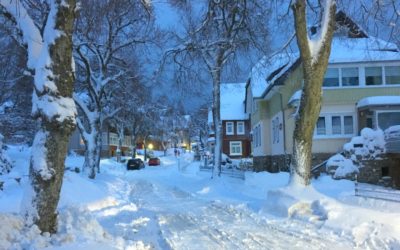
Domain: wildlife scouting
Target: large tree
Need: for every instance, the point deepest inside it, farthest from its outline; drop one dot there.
(216, 32)
(105, 33)
(314, 55)
(49, 45)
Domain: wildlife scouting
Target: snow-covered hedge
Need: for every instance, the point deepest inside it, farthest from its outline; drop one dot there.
(5, 163)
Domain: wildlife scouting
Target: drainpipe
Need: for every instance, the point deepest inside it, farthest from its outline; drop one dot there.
(283, 127)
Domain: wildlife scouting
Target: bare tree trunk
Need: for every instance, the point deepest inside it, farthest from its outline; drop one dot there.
(50, 144)
(314, 67)
(216, 75)
(93, 144)
(120, 130)
(164, 145)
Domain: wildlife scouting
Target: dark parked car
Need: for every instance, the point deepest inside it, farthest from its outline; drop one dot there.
(154, 161)
(135, 164)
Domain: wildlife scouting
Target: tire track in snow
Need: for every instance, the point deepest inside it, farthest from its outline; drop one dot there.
(218, 226)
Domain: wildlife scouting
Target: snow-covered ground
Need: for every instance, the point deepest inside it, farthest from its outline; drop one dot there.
(175, 206)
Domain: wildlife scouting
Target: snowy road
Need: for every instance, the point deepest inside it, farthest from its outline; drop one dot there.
(167, 217)
(176, 206)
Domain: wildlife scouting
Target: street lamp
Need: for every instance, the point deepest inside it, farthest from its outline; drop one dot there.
(151, 146)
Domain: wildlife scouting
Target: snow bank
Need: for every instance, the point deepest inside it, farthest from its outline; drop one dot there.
(294, 202)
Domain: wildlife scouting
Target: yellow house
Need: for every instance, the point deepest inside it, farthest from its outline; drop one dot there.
(361, 89)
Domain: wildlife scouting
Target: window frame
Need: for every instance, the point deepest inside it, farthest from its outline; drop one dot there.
(275, 130)
(329, 128)
(257, 136)
(338, 77)
(378, 112)
(362, 68)
(238, 125)
(386, 76)
(341, 74)
(231, 146)
(382, 76)
(227, 126)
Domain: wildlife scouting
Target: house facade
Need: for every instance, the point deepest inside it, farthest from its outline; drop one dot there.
(361, 89)
(109, 143)
(236, 141)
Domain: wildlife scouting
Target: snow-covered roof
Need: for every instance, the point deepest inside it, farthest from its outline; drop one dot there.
(346, 50)
(232, 101)
(267, 69)
(378, 100)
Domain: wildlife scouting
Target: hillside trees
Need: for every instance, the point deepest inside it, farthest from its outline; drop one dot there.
(105, 30)
(49, 58)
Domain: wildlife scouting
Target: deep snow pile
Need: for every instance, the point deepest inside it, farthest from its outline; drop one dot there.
(174, 206)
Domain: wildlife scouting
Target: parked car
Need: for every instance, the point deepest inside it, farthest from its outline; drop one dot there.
(154, 161)
(135, 164)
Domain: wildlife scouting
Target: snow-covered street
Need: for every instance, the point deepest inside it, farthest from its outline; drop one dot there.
(176, 206)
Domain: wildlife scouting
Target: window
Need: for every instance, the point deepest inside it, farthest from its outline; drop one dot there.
(331, 78)
(350, 76)
(385, 171)
(275, 130)
(235, 147)
(321, 126)
(336, 125)
(373, 76)
(257, 136)
(387, 119)
(240, 128)
(113, 139)
(229, 128)
(348, 125)
(392, 74)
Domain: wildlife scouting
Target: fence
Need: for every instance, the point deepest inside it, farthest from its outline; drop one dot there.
(376, 192)
(230, 170)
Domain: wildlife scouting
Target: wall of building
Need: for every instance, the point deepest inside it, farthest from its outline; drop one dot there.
(243, 138)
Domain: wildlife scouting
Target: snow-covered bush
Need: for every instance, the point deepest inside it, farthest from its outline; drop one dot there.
(340, 167)
(369, 145)
(5, 163)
